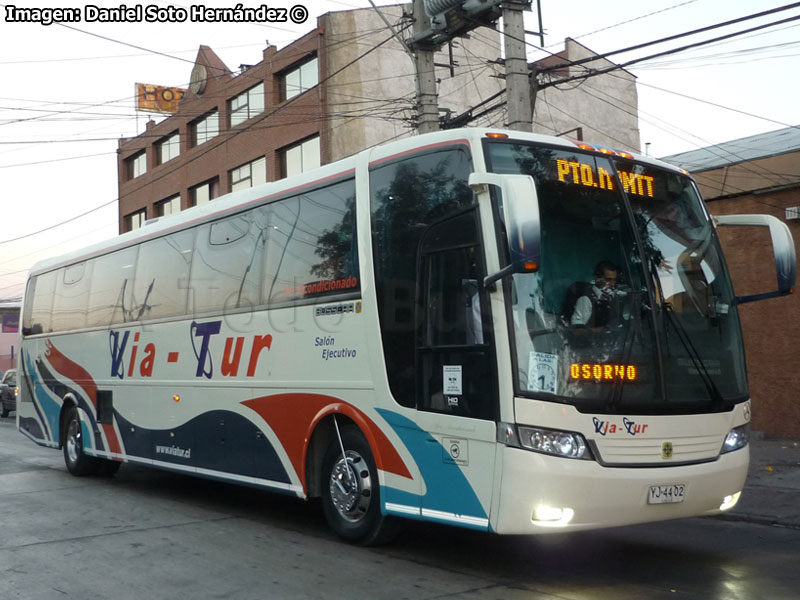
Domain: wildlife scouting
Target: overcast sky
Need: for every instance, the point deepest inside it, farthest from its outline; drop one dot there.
(66, 94)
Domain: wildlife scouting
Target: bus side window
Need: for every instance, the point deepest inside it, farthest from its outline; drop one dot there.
(311, 246)
(226, 266)
(161, 285)
(111, 296)
(407, 195)
(40, 317)
(71, 299)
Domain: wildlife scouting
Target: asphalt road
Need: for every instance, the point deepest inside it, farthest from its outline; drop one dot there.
(156, 535)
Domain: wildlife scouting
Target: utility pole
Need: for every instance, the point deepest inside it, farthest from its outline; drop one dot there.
(427, 95)
(518, 82)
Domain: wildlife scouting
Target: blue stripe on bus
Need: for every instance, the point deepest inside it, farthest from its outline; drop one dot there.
(48, 409)
(34, 427)
(61, 390)
(447, 488)
(217, 440)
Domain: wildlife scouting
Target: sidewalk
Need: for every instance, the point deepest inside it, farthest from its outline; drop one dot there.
(771, 493)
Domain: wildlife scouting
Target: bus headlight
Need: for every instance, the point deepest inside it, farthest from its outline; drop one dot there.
(550, 441)
(738, 437)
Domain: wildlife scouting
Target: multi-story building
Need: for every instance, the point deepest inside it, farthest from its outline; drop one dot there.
(602, 109)
(343, 87)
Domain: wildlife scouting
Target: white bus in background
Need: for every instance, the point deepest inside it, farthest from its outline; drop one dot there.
(389, 333)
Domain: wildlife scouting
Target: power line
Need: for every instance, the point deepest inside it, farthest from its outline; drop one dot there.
(621, 23)
(716, 105)
(591, 73)
(54, 160)
(686, 34)
(233, 134)
(594, 72)
(70, 220)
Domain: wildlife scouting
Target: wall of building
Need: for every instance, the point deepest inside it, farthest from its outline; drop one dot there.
(372, 101)
(771, 327)
(605, 107)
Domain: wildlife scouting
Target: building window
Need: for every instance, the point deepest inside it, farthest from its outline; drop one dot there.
(200, 194)
(136, 220)
(249, 174)
(300, 158)
(299, 79)
(205, 128)
(137, 165)
(170, 206)
(247, 105)
(169, 148)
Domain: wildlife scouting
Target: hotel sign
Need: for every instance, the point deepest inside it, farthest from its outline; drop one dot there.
(158, 98)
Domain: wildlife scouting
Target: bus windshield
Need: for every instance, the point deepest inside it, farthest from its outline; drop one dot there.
(632, 308)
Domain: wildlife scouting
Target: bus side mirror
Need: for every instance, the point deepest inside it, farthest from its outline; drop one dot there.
(520, 215)
(782, 248)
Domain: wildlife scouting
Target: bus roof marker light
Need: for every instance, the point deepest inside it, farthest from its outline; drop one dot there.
(627, 155)
(607, 151)
(583, 146)
(497, 136)
(176, 398)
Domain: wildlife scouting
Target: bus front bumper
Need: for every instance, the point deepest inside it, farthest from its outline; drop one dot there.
(547, 494)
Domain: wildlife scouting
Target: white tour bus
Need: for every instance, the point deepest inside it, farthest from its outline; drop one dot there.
(492, 329)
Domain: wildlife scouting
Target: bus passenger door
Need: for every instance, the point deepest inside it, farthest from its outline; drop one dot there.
(457, 391)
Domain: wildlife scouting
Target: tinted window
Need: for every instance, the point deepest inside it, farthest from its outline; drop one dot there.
(408, 196)
(227, 266)
(111, 299)
(311, 245)
(41, 289)
(72, 297)
(161, 286)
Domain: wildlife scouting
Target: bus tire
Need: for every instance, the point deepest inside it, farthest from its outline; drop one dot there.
(352, 503)
(77, 462)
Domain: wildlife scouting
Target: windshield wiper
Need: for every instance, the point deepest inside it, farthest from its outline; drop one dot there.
(686, 341)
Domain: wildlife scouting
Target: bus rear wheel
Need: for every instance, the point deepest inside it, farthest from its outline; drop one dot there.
(351, 493)
(77, 462)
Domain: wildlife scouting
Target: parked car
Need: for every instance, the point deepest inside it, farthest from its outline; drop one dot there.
(8, 392)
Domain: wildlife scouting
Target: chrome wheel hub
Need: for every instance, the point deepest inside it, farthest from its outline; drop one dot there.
(74, 441)
(351, 487)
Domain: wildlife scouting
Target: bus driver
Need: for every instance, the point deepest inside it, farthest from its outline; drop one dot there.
(595, 304)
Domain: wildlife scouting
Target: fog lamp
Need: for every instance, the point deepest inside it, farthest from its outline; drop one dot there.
(552, 516)
(730, 501)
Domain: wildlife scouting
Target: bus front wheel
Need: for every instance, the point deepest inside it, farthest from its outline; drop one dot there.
(351, 493)
(77, 462)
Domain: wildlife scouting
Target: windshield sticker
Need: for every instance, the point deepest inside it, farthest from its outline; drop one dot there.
(542, 369)
(452, 377)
